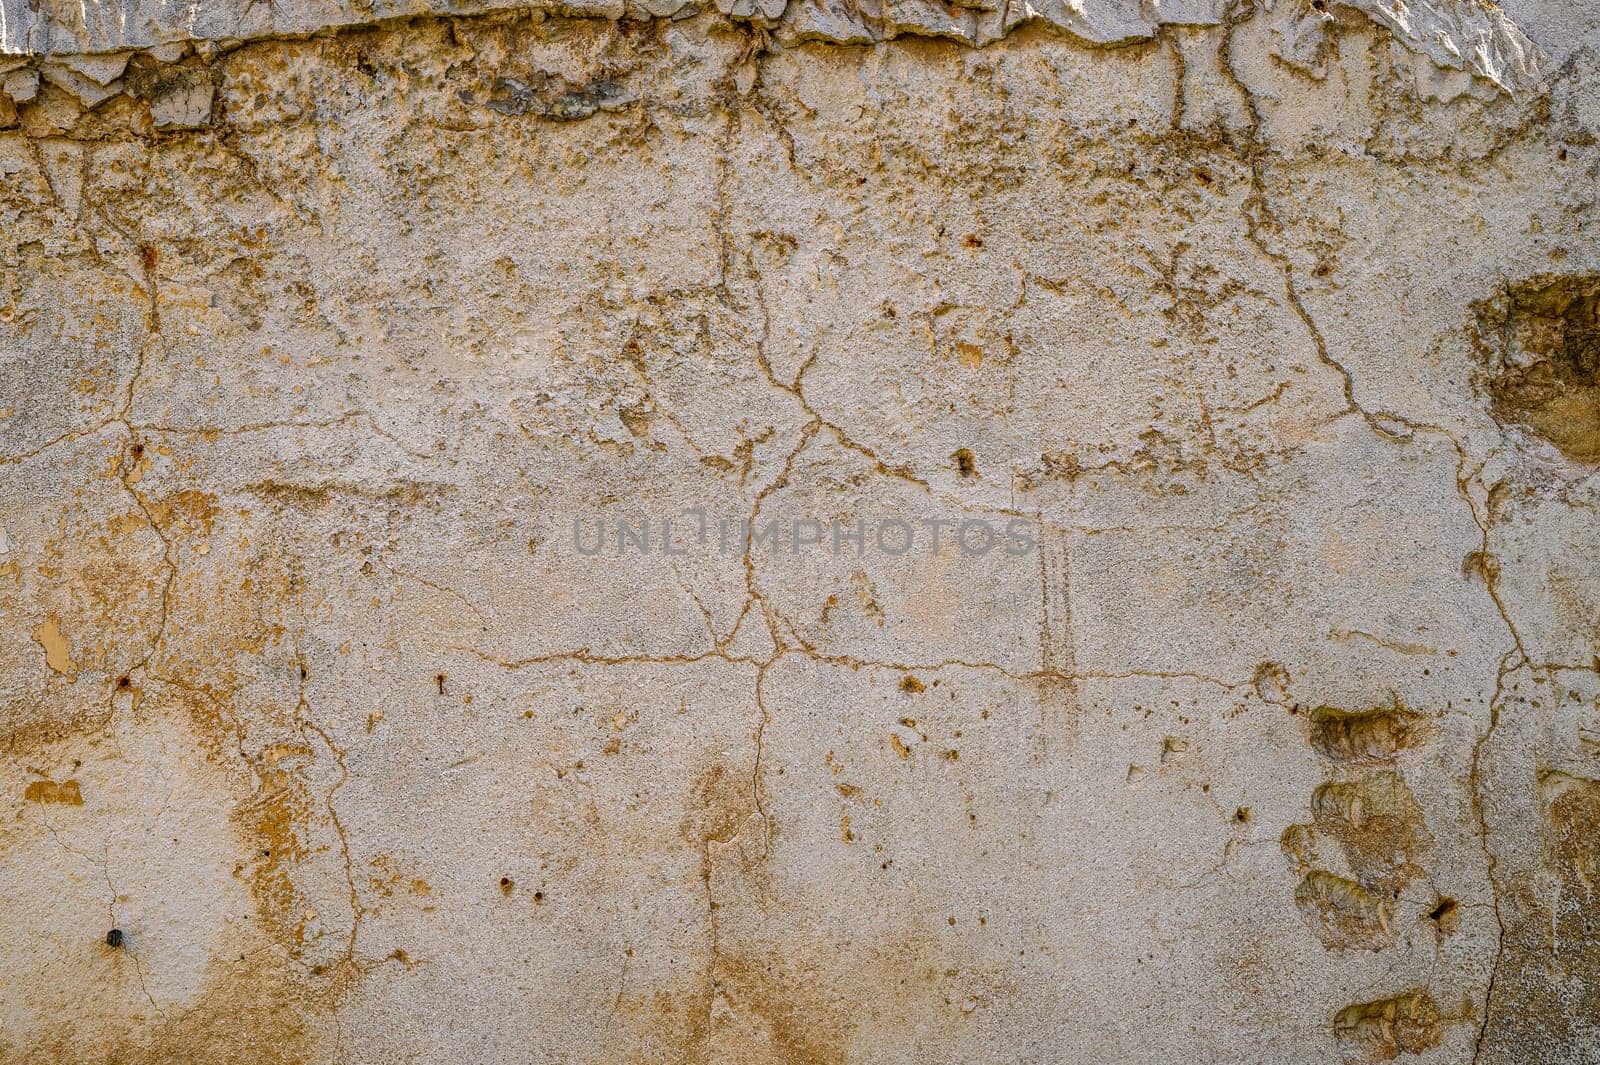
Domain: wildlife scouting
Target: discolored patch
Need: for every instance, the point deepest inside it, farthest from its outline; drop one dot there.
(1546, 993)
(776, 1015)
(1542, 341)
(1344, 913)
(720, 801)
(66, 793)
(57, 651)
(1364, 735)
(1408, 1023)
(1377, 821)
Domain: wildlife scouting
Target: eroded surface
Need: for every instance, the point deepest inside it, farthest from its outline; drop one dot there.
(1281, 741)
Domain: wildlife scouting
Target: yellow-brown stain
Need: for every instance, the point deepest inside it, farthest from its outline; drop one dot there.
(1376, 820)
(720, 801)
(1344, 913)
(186, 511)
(1546, 992)
(1408, 1023)
(273, 826)
(1364, 735)
(57, 650)
(256, 1010)
(1369, 812)
(1543, 339)
(800, 1001)
(66, 793)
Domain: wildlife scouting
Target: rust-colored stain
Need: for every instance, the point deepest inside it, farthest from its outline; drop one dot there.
(186, 511)
(719, 802)
(66, 793)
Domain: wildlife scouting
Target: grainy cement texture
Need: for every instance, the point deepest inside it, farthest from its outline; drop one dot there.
(1273, 735)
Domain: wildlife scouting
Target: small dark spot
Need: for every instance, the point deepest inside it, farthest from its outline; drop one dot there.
(1447, 915)
(538, 898)
(148, 256)
(1320, 5)
(124, 682)
(438, 678)
(506, 884)
(1241, 816)
(973, 241)
(114, 938)
(137, 451)
(966, 462)
(1562, 155)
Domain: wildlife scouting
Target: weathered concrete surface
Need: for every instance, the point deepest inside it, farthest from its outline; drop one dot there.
(1278, 326)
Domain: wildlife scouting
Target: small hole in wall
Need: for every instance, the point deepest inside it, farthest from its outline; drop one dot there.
(1447, 915)
(966, 462)
(1241, 816)
(538, 898)
(438, 678)
(124, 682)
(114, 938)
(506, 884)
(1320, 5)
(137, 451)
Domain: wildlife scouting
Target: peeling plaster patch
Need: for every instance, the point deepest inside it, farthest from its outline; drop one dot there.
(57, 649)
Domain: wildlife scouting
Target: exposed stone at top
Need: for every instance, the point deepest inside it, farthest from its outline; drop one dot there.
(1471, 36)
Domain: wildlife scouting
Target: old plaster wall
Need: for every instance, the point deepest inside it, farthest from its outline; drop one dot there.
(321, 323)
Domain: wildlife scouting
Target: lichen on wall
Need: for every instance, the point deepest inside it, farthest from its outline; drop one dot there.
(799, 532)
